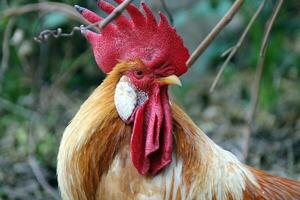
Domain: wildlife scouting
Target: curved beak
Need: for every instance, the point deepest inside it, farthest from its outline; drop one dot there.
(170, 80)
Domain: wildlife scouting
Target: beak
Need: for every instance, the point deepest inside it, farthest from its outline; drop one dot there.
(170, 80)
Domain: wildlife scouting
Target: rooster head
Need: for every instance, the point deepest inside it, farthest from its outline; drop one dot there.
(154, 56)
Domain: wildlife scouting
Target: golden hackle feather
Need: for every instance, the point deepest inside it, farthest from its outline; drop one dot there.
(91, 141)
(272, 187)
(94, 160)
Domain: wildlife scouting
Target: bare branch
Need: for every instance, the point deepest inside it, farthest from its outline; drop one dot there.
(5, 49)
(44, 35)
(69, 10)
(225, 53)
(17, 109)
(43, 6)
(46, 7)
(234, 49)
(213, 34)
(117, 11)
(40, 177)
(167, 10)
(258, 75)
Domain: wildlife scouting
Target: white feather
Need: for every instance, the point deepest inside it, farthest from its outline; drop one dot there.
(125, 98)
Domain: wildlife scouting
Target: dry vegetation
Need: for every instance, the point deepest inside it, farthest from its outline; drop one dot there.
(42, 85)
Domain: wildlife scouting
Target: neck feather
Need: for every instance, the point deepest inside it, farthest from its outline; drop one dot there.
(90, 143)
(96, 134)
(209, 171)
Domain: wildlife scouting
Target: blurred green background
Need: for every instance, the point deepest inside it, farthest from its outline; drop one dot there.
(42, 85)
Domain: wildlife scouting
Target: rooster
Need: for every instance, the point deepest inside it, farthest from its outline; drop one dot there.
(130, 141)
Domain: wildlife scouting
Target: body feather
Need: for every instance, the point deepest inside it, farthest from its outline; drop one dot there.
(94, 160)
(272, 187)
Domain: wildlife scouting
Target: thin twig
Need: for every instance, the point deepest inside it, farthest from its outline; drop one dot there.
(167, 10)
(40, 177)
(225, 53)
(5, 49)
(44, 35)
(17, 109)
(234, 49)
(46, 7)
(117, 11)
(215, 31)
(43, 6)
(258, 75)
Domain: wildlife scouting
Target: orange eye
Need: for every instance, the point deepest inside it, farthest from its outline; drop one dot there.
(138, 74)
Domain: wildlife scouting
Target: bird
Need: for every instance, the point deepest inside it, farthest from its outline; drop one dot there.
(130, 140)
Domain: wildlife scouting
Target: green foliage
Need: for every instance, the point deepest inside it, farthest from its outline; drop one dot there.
(55, 19)
(44, 85)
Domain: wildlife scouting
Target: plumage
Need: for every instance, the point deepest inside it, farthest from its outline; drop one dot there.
(130, 141)
(94, 160)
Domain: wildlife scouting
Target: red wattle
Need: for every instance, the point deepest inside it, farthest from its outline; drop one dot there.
(151, 139)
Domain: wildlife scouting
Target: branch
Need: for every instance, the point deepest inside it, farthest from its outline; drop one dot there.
(166, 9)
(213, 34)
(44, 35)
(47, 6)
(234, 49)
(44, 6)
(17, 109)
(258, 75)
(117, 11)
(5, 49)
(40, 177)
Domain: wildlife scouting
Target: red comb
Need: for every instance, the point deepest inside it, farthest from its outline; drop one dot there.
(137, 37)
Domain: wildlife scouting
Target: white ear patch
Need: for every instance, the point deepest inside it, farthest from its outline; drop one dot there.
(125, 98)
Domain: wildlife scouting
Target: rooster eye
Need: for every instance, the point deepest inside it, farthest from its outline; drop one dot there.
(138, 74)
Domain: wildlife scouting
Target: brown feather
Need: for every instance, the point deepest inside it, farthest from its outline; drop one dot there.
(185, 146)
(97, 138)
(92, 152)
(272, 187)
